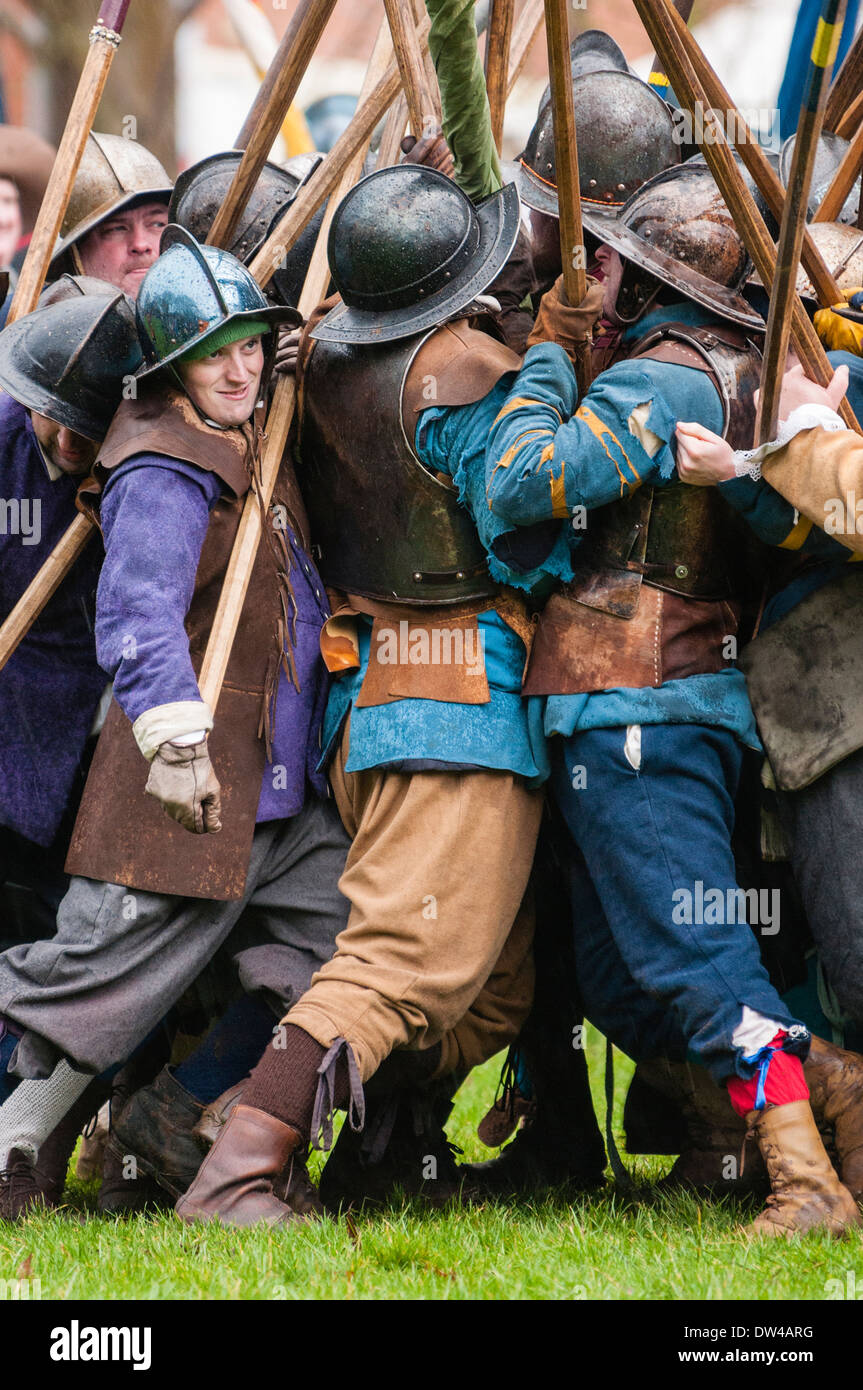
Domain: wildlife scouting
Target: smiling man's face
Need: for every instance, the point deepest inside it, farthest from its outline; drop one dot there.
(123, 247)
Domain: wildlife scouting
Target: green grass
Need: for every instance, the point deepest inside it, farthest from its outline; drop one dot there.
(606, 1246)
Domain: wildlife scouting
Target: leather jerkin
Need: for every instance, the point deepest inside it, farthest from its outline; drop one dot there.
(122, 835)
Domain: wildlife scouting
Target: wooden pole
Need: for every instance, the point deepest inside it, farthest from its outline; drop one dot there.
(847, 125)
(268, 112)
(390, 146)
(279, 419)
(322, 182)
(658, 17)
(846, 84)
(421, 107)
(428, 62)
(497, 48)
(714, 96)
(526, 29)
(658, 78)
(566, 158)
(104, 42)
(842, 182)
(784, 292)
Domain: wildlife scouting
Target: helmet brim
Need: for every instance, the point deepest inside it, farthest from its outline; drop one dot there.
(141, 195)
(35, 397)
(721, 299)
(498, 217)
(275, 316)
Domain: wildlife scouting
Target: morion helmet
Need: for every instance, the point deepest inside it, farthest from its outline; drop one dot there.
(114, 173)
(191, 291)
(678, 228)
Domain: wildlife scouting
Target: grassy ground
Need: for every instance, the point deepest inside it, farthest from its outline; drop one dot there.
(598, 1247)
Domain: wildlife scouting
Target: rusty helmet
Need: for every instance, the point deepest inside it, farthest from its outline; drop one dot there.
(114, 173)
(841, 248)
(626, 135)
(678, 228)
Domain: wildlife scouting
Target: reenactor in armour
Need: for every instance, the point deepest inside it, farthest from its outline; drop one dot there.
(116, 214)
(62, 371)
(436, 762)
(633, 659)
(168, 489)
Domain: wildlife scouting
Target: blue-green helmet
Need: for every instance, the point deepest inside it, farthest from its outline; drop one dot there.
(192, 291)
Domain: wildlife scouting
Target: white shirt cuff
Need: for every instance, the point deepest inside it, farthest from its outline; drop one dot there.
(166, 723)
(747, 462)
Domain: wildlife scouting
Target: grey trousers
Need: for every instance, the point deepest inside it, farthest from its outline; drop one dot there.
(121, 958)
(824, 822)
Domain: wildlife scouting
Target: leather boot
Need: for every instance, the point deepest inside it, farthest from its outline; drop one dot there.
(710, 1160)
(835, 1081)
(122, 1194)
(558, 1144)
(155, 1127)
(806, 1193)
(294, 1187)
(402, 1149)
(235, 1182)
(20, 1190)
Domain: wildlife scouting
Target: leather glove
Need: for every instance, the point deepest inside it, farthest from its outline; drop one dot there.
(182, 778)
(286, 352)
(431, 150)
(838, 333)
(558, 322)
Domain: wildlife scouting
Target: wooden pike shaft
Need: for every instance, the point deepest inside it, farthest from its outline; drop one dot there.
(566, 157)
(658, 17)
(852, 118)
(421, 107)
(104, 42)
(783, 292)
(526, 29)
(268, 112)
(497, 49)
(714, 96)
(846, 85)
(326, 176)
(281, 413)
(658, 78)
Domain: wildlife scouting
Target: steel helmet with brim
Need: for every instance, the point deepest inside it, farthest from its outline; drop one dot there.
(626, 136)
(679, 229)
(201, 189)
(190, 292)
(114, 174)
(409, 250)
(71, 360)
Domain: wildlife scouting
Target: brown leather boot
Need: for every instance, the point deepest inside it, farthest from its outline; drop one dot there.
(806, 1195)
(20, 1189)
(835, 1081)
(294, 1187)
(235, 1182)
(710, 1162)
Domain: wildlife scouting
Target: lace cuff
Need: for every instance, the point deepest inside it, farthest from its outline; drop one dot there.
(747, 462)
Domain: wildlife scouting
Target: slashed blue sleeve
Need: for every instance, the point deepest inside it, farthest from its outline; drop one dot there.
(547, 454)
(776, 522)
(155, 512)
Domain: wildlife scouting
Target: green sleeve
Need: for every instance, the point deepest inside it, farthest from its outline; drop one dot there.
(466, 119)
